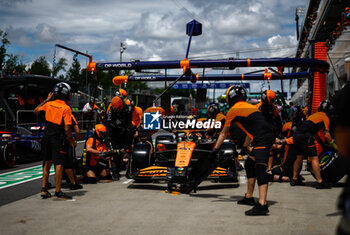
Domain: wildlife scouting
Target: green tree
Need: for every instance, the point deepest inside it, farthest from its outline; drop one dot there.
(41, 67)
(4, 43)
(222, 99)
(12, 65)
(60, 65)
(73, 73)
(177, 92)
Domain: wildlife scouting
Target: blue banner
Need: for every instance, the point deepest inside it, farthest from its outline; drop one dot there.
(218, 85)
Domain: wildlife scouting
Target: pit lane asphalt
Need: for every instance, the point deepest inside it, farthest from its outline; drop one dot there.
(123, 207)
(23, 190)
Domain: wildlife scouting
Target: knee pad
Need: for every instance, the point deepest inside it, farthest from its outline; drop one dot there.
(107, 177)
(90, 180)
(249, 167)
(261, 175)
(277, 170)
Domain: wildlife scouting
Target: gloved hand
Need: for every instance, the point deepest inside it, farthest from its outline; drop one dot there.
(333, 145)
(282, 142)
(103, 155)
(243, 151)
(117, 151)
(214, 155)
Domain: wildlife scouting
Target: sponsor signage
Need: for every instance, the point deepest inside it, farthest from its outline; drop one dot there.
(154, 121)
(218, 85)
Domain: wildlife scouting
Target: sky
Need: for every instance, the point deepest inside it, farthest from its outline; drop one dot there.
(152, 30)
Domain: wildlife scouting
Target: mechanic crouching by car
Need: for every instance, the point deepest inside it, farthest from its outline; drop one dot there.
(58, 121)
(98, 159)
(249, 118)
(304, 143)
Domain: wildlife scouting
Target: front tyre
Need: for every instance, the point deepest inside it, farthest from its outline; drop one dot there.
(8, 155)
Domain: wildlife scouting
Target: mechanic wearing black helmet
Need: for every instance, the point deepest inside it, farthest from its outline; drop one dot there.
(304, 143)
(58, 117)
(215, 113)
(253, 123)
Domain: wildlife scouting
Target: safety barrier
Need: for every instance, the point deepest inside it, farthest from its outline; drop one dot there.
(84, 119)
(27, 118)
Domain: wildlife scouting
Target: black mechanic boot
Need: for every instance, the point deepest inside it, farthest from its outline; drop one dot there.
(246, 201)
(258, 209)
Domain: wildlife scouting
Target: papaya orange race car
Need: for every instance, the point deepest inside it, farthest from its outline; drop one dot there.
(179, 157)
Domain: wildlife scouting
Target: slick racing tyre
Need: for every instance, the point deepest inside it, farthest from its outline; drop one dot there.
(332, 167)
(141, 157)
(8, 155)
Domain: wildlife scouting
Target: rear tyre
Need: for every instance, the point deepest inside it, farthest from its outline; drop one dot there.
(333, 167)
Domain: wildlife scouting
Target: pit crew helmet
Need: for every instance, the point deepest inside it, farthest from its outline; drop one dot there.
(62, 90)
(121, 93)
(117, 103)
(326, 107)
(100, 132)
(268, 97)
(234, 94)
(213, 110)
(287, 127)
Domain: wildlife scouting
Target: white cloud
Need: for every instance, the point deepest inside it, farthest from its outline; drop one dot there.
(19, 36)
(152, 30)
(47, 33)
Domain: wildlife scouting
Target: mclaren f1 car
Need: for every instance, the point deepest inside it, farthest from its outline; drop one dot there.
(179, 158)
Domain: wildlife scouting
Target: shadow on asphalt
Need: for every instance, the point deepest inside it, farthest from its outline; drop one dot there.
(201, 195)
(237, 198)
(77, 193)
(223, 198)
(218, 186)
(147, 187)
(200, 188)
(339, 185)
(338, 213)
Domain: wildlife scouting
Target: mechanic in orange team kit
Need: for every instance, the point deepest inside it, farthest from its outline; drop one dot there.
(304, 143)
(215, 113)
(58, 117)
(249, 118)
(97, 162)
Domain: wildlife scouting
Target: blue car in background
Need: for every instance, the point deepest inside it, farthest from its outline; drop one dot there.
(21, 145)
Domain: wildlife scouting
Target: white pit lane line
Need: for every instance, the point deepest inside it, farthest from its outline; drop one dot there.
(128, 181)
(242, 179)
